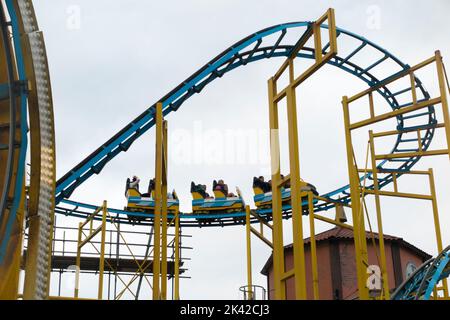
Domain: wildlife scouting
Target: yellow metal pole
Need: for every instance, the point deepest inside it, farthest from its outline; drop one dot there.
(78, 261)
(312, 231)
(157, 221)
(357, 217)
(437, 225)
(177, 256)
(102, 252)
(277, 231)
(376, 189)
(164, 216)
(443, 92)
(10, 269)
(294, 164)
(249, 253)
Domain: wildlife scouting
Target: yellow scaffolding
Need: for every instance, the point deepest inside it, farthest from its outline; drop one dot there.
(357, 193)
(82, 242)
(161, 223)
(396, 193)
(275, 96)
(262, 222)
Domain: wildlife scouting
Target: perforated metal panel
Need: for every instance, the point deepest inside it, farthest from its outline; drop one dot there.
(43, 151)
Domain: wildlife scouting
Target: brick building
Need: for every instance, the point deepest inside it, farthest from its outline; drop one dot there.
(336, 263)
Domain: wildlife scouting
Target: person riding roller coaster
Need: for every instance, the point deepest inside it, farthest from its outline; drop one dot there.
(223, 201)
(132, 183)
(151, 187)
(145, 203)
(263, 185)
(263, 192)
(222, 189)
(201, 190)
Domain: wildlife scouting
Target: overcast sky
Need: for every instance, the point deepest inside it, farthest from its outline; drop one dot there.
(110, 60)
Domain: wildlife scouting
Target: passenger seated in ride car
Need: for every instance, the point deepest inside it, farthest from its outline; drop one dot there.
(207, 195)
(200, 189)
(287, 184)
(134, 183)
(265, 186)
(220, 186)
(127, 186)
(151, 186)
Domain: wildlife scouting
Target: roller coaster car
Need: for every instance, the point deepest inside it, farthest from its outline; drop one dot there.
(263, 193)
(137, 202)
(202, 203)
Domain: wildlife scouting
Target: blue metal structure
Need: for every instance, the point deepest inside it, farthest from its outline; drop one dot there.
(249, 50)
(17, 93)
(420, 285)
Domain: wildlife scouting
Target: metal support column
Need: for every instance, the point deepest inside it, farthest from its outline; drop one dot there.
(296, 201)
(443, 94)
(177, 257)
(249, 253)
(358, 217)
(384, 275)
(102, 252)
(78, 262)
(277, 236)
(164, 225)
(158, 204)
(312, 231)
(437, 225)
(298, 272)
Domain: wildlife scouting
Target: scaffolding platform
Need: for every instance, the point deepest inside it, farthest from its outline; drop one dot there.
(61, 262)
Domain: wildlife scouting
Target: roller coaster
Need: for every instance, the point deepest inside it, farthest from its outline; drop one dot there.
(26, 89)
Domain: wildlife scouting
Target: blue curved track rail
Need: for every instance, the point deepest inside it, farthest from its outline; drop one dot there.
(16, 90)
(420, 285)
(251, 49)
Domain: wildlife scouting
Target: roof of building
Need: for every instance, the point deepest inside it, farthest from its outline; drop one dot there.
(339, 233)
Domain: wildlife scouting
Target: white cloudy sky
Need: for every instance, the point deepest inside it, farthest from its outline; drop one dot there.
(127, 54)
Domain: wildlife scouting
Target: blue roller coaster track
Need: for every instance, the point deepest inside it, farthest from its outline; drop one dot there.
(16, 94)
(251, 49)
(420, 285)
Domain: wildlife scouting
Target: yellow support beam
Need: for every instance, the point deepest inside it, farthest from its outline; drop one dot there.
(82, 242)
(437, 225)
(412, 154)
(91, 235)
(161, 224)
(296, 201)
(383, 266)
(312, 232)
(357, 217)
(102, 252)
(395, 113)
(261, 237)
(400, 194)
(294, 177)
(249, 253)
(443, 93)
(10, 269)
(164, 215)
(177, 257)
(158, 204)
(78, 262)
(277, 232)
(333, 222)
(391, 79)
(288, 274)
